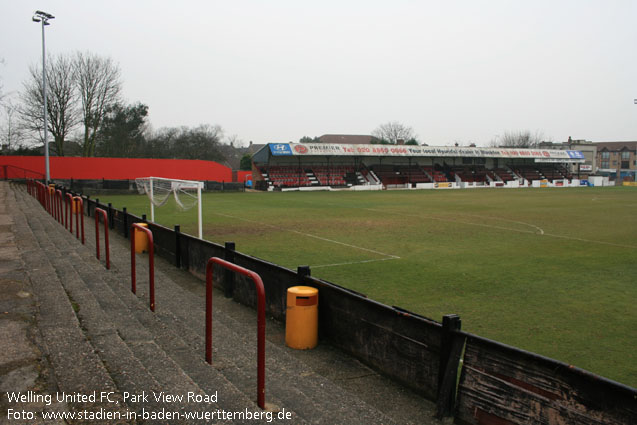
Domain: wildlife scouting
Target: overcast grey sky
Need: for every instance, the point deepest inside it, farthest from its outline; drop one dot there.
(267, 71)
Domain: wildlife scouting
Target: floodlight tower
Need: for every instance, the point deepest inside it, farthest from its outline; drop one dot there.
(44, 18)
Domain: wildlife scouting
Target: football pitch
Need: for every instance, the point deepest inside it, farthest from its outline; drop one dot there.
(553, 271)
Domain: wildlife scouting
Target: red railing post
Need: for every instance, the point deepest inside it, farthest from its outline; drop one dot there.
(40, 193)
(68, 212)
(99, 211)
(58, 205)
(55, 214)
(45, 192)
(151, 262)
(258, 283)
(78, 203)
(51, 198)
(47, 199)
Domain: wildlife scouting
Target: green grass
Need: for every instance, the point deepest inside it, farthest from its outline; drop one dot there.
(553, 271)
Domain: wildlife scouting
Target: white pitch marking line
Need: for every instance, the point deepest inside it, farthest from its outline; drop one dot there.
(451, 220)
(509, 229)
(355, 262)
(505, 219)
(591, 241)
(344, 244)
(389, 256)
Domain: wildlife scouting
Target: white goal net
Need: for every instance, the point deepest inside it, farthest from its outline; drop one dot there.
(187, 194)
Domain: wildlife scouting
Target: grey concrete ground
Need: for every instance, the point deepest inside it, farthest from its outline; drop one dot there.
(68, 325)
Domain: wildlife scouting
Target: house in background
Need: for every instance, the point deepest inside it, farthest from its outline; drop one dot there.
(618, 160)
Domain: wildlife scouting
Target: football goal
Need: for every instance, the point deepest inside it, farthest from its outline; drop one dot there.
(187, 194)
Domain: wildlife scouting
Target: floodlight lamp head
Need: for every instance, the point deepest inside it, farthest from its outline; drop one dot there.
(44, 14)
(40, 16)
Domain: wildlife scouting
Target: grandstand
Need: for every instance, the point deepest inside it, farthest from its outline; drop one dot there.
(292, 166)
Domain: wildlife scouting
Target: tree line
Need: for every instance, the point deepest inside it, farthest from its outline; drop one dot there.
(87, 116)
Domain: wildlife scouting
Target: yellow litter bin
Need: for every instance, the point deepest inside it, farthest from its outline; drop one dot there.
(141, 240)
(301, 318)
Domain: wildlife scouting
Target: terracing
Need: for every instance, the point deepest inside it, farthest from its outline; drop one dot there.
(77, 330)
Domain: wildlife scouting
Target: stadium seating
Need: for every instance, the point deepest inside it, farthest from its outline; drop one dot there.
(310, 175)
(549, 172)
(437, 175)
(503, 174)
(392, 174)
(554, 172)
(332, 175)
(470, 173)
(529, 172)
(401, 174)
(280, 176)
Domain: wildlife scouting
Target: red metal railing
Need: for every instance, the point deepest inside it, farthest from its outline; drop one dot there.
(35, 189)
(44, 196)
(57, 205)
(68, 212)
(31, 187)
(98, 212)
(78, 206)
(151, 261)
(39, 192)
(49, 199)
(258, 283)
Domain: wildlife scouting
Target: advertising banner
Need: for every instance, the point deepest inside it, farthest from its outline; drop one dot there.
(280, 149)
(327, 149)
(443, 185)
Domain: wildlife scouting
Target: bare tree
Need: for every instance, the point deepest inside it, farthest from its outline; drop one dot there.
(518, 139)
(202, 142)
(234, 141)
(2, 94)
(61, 101)
(394, 131)
(11, 134)
(99, 86)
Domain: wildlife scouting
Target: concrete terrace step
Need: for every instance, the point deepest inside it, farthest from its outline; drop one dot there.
(77, 368)
(127, 348)
(132, 349)
(139, 320)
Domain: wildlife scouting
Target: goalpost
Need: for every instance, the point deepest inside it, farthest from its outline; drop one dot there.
(187, 194)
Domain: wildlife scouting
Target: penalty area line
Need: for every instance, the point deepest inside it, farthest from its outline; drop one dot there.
(355, 262)
(309, 235)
